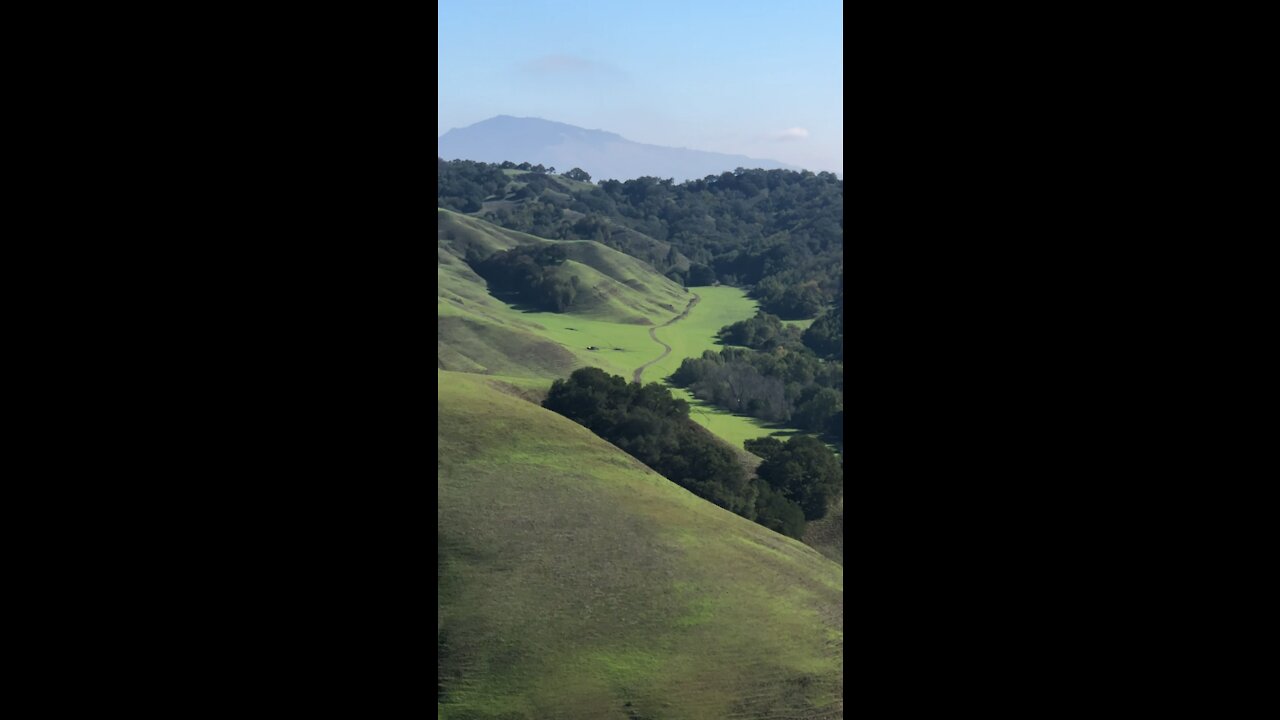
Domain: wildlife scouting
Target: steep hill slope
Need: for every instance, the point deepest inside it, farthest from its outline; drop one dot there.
(604, 155)
(576, 583)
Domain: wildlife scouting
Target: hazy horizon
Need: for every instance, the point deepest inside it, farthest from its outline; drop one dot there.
(759, 79)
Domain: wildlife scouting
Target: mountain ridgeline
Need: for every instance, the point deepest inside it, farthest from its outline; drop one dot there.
(605, 154)
(778, 233)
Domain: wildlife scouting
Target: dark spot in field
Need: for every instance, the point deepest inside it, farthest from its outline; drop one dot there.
(573, 329)
(622, 349)
(592, 347)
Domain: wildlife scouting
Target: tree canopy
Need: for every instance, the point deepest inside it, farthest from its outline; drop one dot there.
(530, 275)
(778, 233)
(650, 424)
(804, 471)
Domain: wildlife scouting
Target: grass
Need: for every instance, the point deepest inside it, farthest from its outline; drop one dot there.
(827, 535)
(620, 296)
(491, 337)
(477, 333)
(717, 307)
(802, 324)
(733, 429)
(576, 583)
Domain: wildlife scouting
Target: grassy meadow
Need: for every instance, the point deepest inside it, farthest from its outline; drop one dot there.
(576, 583)
(690, 336)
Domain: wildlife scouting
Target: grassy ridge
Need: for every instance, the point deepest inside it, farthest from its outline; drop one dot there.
(576, 583)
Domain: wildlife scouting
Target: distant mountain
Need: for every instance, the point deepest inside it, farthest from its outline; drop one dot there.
(603, 155)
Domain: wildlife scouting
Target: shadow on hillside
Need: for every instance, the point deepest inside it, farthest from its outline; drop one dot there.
(517, 303)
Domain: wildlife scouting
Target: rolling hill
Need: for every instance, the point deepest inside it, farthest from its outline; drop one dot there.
(603, 155)
(576, 583)
(609, 328)
(621, 297)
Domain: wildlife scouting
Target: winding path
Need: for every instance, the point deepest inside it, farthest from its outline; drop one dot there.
(635, 378)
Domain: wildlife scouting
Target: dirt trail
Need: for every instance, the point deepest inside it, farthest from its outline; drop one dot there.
(635, 377)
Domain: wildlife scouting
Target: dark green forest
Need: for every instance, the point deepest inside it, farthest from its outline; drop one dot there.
(795, 483)
(802, 469)
(781, 385)
(777, 233)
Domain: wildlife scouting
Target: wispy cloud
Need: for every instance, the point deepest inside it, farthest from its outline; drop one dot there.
(569, 66)
(795, 133)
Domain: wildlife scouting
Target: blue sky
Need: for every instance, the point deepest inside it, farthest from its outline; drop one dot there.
(764, 79)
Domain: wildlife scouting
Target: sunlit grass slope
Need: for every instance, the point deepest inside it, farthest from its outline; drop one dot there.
(576, 583)
(827, 535)
(619, 297)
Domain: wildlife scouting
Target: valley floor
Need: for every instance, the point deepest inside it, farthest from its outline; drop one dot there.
(694, 333)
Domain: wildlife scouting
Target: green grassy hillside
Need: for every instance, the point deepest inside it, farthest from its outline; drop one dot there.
(619, 298)
(827, 535)
(576, 583)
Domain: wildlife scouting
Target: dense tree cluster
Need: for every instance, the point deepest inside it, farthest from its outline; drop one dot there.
(542, 217)
(762, 332)
(779, 232)
(786, 376)
(802, 470)
(790, 296)
(539, 183)
(782, 385)
(734, 384)
(464, 185)
(654, 427)
(508, 165)
(826, 335)
(529, 275)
